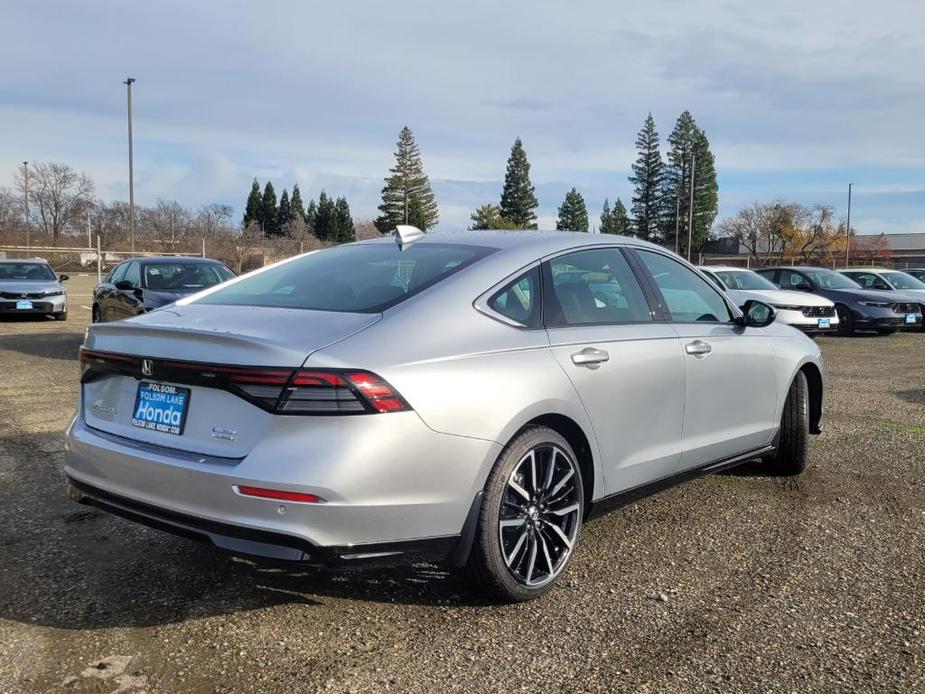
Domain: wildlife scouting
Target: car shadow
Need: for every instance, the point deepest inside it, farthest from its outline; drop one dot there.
(49, 346)
(70, 566)
(915, 395)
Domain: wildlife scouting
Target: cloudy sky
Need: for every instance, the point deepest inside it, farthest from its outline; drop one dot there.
(798, 98)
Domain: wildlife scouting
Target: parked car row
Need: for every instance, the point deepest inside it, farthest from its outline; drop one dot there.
(818, 300)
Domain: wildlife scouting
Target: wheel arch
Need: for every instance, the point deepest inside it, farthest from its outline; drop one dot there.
(816, 389)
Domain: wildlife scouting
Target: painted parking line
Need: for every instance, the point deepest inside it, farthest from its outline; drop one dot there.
(87, 308)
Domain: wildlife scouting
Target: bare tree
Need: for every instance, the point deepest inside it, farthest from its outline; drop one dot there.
(212, 220)
(11, 214)
(109, 223)
(236, 249)
(167, 224)
(58, 195)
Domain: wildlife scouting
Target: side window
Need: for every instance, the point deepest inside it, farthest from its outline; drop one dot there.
(793, 280)
(118, 273)
(771, 276)
(688, 297)
(133, 275)
(593, 286)
(520, 300)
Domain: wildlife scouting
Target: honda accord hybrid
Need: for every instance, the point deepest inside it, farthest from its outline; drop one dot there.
(472, 398)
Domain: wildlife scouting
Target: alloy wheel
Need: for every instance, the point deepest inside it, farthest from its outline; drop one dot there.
(540, 515)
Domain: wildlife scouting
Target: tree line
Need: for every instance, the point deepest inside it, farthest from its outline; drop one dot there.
(328, 220)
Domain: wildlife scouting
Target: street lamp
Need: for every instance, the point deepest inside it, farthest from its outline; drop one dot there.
(848, 230)
(25, 176)
(131, 173)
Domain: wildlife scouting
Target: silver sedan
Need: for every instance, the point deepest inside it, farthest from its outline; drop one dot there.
(470, 397)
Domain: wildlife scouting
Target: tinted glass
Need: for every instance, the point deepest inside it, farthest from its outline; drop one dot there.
(25, 272)
(868, 280)
(793, 280)
(133, 275)
(744, 279)
(361, 278)
(520, 300)
(184, 277)
(594, 286)
(118, 273)
(688, 296)
(900, 280)
(829, 279)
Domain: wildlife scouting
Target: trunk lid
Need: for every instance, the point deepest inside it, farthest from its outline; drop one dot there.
(216, 422)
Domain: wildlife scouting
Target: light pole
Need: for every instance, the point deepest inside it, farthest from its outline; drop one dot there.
(131, 172)
(25, 193)
(848, 230)
(690, 211)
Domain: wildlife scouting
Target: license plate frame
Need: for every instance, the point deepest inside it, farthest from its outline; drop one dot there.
(824, 323)
(165, 407)
(24, 306)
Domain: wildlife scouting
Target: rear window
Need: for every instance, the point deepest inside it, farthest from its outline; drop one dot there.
(365, 278)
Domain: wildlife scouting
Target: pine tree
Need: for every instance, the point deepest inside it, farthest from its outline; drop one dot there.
(518, 198)
(647, 180)
(311, 214)
(407, 188)
(620, 219)
(296, 208)
(325, 226)
(268, 211)
(489, 217)
(345, 231)
(573, 214)
(284, 214)
(689, 155)
(253, 206)
(607, 226)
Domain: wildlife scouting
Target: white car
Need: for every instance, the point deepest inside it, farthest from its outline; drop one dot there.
(807, 312)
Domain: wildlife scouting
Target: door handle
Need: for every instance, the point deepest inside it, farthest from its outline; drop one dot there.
(590, 356)
(698, 348)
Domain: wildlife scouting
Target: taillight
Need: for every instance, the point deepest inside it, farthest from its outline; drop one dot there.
(334, 392)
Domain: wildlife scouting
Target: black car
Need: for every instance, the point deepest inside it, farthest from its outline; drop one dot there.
(857, 308)
(917, 272)
(139, 285)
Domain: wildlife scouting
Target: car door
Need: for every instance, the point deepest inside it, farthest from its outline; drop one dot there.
(624, 364)
(730, 394)
(107, 294)
(130, 300)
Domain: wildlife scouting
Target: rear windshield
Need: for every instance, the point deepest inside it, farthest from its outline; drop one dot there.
(364, 278)
(25, 271)
(184, 277)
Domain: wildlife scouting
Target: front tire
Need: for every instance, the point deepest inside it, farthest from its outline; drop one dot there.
(845, 320)
(793, 443)
(97, 316)
(61, 316)
(530, 517)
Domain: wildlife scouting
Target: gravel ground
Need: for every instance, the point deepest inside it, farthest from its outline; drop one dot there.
(731, 583)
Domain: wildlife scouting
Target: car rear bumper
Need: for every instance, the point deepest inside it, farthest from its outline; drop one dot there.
(385, 480)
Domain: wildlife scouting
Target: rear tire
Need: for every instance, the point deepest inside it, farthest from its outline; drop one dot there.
(793, 443)
(96, 317)
(845, 320)
(530, 517)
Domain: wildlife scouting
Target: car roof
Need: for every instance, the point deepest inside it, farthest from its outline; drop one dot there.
(793, 267)
(24, 260)
(875, 270)
(180, 259)
(541, 242)
(724, 268)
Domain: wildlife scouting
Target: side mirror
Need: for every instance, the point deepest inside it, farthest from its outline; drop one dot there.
(757, 314)
(123, 285)
(62, 278)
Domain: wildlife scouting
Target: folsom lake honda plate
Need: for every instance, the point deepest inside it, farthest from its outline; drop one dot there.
(161, 407)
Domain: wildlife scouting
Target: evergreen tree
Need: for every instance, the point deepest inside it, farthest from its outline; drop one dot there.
(284, 214)
(345, 231)
(489, 217)
(253, 207)
(573, 214)
(311, 214)
(269, 211)
(518, 199)
(407, 189)
(647, 180)
(689, 156)
(296, 208)
(620, 219)
(325, 226)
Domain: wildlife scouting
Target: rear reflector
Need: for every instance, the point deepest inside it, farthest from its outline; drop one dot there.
(279, 495)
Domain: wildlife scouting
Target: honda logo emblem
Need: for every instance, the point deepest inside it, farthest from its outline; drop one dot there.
(147, 367)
